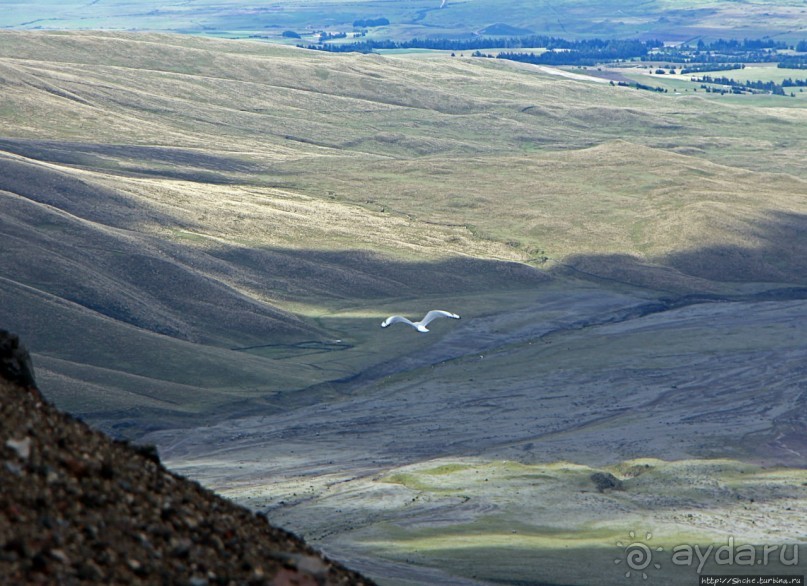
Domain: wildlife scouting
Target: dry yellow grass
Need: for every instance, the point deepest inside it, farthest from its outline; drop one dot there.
(503, 161)
(198, 231)
(238, 193)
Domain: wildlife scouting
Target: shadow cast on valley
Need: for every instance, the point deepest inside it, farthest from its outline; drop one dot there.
(82, 245)
(133, 160)
(776, 255)
(466, 557)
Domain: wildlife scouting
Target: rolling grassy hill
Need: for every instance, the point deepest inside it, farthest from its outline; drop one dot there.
(199, 239)
(184, 197)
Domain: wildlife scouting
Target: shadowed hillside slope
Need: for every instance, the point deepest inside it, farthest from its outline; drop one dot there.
(493, 148)
(254, 211)
(201, 238)
(138, 307)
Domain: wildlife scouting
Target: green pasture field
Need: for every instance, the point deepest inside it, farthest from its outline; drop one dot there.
(761, 72)
(684, 84)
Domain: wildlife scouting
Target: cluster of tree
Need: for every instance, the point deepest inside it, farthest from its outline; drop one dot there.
(724, 91)
(744, 45)
(678, 55)
(723, 51)
(323, 36)
(789, 82)
(628, 48)
(746, 86)
(370, 22)
(793, 62)
(290, 35)
(715, 56)
(641, 86)
(700, 68)
(583, 55)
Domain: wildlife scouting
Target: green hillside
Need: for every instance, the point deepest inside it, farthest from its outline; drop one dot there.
(194, 198)
(200, 238)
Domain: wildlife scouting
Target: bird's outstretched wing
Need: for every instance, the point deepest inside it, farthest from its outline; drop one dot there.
(435, 313)
(395, 319)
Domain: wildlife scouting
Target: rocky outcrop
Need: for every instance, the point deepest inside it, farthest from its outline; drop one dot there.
(78, 507)
(15, 361)
(606, 481)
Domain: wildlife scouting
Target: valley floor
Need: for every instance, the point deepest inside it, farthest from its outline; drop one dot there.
(199, 239)
(472, 463)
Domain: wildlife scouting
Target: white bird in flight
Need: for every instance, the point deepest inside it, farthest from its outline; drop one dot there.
(420, 325)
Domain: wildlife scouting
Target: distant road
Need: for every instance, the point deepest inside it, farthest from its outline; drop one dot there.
(564, 73)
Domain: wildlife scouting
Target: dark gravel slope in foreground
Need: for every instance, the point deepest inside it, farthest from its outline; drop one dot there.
(78, 507)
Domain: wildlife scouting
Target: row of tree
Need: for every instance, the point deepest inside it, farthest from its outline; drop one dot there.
(325, 36)
(701, 67)
(725, 51)
(793, 61)
(613, 51)
(370, 22)
(718, 55)
(743, 45)
(679, 55)
(755, 86)
(627, 47)
(641, 86)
